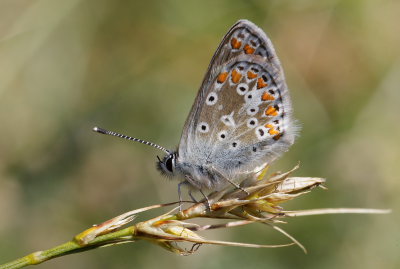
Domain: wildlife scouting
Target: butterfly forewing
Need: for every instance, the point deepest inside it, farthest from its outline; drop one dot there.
(241, 116)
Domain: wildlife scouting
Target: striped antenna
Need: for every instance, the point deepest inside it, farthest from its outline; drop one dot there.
(106, 132)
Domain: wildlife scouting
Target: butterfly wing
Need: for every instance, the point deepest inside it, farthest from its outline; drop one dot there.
(241, 118)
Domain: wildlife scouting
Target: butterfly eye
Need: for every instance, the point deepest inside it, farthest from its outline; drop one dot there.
(169, 164)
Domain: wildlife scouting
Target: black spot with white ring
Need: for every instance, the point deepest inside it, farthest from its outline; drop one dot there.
(261, 133)
(252, 122)
(222, 135)
(251, 111)
(242, 88)
(203, 127)
(235, 144)
(212, 99)
(249, 96)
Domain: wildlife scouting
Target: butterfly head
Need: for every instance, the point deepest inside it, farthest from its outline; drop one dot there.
(167, 165)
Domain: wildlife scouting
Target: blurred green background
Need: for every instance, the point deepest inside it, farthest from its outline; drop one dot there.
(135, 67)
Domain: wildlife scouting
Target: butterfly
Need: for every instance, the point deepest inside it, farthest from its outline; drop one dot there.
(241, 119)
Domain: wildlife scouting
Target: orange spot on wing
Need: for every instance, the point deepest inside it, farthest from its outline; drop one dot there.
(236, 76)
(261, 83)
(235, 43)
(266, 96)
(248, 49)
(251, 75)
(277, 136)
(222, 77)
(271, 130)
(271, 111)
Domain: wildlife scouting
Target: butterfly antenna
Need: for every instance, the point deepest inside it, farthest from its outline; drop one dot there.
(106, 132)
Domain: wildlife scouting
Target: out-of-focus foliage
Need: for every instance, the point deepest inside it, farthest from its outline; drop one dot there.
(135, 67)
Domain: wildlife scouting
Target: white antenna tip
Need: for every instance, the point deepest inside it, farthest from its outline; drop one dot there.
(99, 130)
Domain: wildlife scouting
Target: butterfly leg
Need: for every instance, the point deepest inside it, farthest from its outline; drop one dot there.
(180, 194)
(191, 196)
(237, 186)
(208, 201)
(188, 180)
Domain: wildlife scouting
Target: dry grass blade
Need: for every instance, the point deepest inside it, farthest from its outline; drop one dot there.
(324, 211)
(262, 204)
